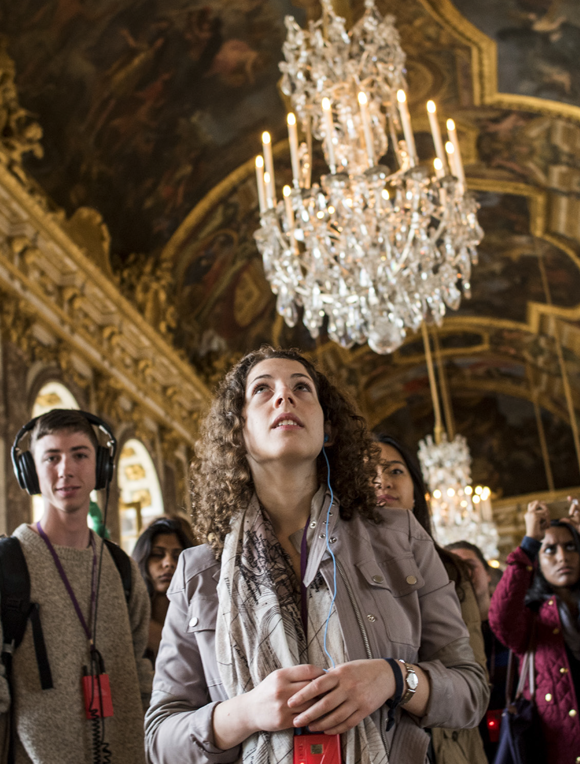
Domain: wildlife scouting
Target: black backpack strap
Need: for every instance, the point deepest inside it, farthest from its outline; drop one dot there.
(123, 563)
(14, 593)
(16, 609)
(40, 648)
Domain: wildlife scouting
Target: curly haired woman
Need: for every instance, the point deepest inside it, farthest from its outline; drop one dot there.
(306, 608)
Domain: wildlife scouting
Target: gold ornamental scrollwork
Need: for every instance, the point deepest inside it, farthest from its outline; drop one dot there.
(108, 392)
(20, 134)
(149, 283)
(16, 320)
(171, 444)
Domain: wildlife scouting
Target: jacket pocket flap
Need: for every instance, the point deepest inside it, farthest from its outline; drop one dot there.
(400, 576)
(373, 574)
(202, 614)
(403, 575)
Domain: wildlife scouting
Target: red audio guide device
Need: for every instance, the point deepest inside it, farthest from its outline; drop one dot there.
(493, 725)
(97, 692)
(317, 749)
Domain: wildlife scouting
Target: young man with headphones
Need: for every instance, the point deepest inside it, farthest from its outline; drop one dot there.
(75, 683)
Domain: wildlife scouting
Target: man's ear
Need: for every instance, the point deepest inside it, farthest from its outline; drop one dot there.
(328, 434)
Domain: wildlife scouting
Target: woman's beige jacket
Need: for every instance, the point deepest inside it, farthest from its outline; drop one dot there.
(394, 600)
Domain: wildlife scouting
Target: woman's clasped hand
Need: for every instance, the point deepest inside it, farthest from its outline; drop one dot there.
(269, 703)
(332, 702)
(343, 696)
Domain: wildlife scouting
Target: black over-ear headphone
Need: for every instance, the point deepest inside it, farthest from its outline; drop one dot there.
(25, 469)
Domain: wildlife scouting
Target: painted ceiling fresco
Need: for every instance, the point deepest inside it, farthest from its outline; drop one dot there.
(152, 112)
(537, 44)
(163, 94)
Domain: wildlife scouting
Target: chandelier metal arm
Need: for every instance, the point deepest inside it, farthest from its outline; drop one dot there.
(438, 429)
(448, 409)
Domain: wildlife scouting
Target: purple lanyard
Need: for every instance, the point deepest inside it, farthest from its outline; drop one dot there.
(66, 582)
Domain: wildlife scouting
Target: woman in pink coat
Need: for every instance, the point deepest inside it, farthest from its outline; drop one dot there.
(543, 578)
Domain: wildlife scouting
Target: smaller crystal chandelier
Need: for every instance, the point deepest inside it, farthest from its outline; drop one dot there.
(459, 512)
(375, 250)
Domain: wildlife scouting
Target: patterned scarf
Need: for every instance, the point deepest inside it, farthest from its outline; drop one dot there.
(259, 630)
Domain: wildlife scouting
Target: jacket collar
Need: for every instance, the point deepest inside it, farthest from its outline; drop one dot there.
(316, 531)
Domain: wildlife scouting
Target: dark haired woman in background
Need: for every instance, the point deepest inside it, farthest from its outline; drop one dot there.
(400, 485)
(156, 552)
(542, 584)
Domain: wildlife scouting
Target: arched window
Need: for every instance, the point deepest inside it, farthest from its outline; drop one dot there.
(141, 498)
(53, 395)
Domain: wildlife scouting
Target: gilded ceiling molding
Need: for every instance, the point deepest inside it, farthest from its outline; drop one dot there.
(538, 200)
(484, 66)
(378, 413)
(448, 329)
(57, 286)
(540, 320)
(547, 496)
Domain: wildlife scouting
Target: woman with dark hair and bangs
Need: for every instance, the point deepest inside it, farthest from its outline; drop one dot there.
(308, 611)
(540, 593)
(156, 553)
(399, 484)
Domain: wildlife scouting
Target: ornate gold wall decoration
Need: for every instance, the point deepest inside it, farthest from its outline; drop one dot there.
(20, 134)
(88, 230)
(53, 278)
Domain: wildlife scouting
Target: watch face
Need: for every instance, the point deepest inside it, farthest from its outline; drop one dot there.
(412, 680)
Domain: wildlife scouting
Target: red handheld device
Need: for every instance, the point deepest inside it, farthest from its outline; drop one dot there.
(317, 749)
(493, 719)
(97, 693)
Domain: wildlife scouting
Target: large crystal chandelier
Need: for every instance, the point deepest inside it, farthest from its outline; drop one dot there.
(375, 249)
(459, 511)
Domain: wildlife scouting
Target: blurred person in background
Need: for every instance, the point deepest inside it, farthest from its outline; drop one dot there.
(400, 485)
(497, 654)
(540, 591)
(156, 552)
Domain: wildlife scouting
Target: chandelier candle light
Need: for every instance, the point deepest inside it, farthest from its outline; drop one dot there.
(375, 250)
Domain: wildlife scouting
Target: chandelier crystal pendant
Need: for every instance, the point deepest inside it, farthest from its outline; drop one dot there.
(375, 250)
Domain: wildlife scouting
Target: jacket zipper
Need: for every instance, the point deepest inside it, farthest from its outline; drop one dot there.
(356, 609)
(363, 630)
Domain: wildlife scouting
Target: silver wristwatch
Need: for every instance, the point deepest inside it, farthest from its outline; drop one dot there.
(412, 682)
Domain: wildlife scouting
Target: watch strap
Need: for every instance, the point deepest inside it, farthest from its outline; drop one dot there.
(395, 701)
(409, 691)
